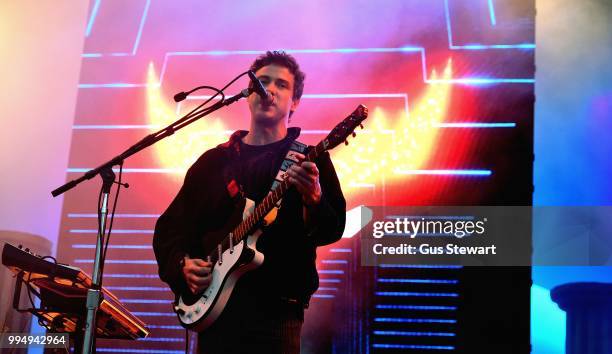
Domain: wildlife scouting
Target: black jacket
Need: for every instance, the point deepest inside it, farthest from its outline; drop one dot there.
(203, 204)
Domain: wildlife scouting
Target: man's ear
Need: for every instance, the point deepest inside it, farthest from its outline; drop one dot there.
(294, 105)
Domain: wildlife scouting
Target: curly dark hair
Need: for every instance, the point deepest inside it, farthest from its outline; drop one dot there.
(283, 59)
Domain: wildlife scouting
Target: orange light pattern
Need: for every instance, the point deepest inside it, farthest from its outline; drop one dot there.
(181, 150)
(388, 145)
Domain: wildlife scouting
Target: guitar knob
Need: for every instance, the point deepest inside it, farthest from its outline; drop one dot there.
(179, 310)
(354, 134)
(346, 142)
(361, 126)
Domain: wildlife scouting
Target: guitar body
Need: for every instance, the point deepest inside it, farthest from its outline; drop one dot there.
(198, 311)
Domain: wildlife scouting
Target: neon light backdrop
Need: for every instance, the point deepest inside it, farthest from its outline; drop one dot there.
(449, 85)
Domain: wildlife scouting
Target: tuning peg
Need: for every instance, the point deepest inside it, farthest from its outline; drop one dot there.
(346, 142)
(361, 126)
(354, 134)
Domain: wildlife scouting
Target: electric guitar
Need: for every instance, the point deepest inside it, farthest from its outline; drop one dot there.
(235, 252)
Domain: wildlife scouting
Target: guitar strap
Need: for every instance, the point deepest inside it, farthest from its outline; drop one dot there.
(288, 161)
(235, 190)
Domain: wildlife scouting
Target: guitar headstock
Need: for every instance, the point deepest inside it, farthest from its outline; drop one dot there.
(344, 129)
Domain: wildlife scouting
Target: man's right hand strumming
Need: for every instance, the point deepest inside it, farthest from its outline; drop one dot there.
(197, 274)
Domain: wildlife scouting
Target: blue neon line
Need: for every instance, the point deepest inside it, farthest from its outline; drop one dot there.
(154, 314)
(118, 261)
(301, 51)
(413, 320)
(416, 307)
(480, 81)
(448, 24)
(92, 215)
(524, 46)
(356, 95)
(131, 170)
(165, 327)
(324, 296)
(325, 271)
(412, 346)
(218, 52)
(153, 351)
(341, 250)
(117, 126)
(474, 125)
(119, 275)
(99, 55)
(424, 65)
(414, 334)
(116, 85)
(118, 231)
(145, 301)
(445, 172)
(129, 126)
(140, 27)
(418, 281)
(417, 266)
(492, 13)
(138, 288)
(135, 247)
(205, 97)
(161, 339)
(322, 288)
(355, 50)
(92, 17)
(334, 261)
(413, 293)
(323, 280)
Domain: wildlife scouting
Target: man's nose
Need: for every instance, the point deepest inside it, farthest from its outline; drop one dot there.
(271, 88)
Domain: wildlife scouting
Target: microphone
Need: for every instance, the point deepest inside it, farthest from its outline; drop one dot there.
(258, 87)
(180, 96)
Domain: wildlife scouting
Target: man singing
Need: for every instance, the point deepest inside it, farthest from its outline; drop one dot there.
(266, 310)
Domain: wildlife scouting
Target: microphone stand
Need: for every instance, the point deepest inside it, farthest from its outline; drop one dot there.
(108, 177)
